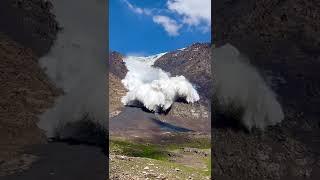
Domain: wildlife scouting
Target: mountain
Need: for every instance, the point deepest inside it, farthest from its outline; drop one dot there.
(117, 65)
(193, 62)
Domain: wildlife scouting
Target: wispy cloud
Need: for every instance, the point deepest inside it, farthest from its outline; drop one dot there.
(170, 25)
(137, 9)
(188, 13)
(193, 12)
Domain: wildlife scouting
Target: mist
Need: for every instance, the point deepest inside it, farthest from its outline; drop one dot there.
(77, 64)
(240, 90)
(153, 87)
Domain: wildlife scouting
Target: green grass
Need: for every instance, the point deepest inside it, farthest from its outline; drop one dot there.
(200, 143)
(138, 150)
(159, 154)
(208, 163)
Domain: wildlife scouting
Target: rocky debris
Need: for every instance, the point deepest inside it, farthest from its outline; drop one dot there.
(238, 154)
(196, 151)
(136, 169)
(30, 23)
(117, 65)
(193, 111)
(18, 164)
(192, 116)
(116, 92)
(25, 92)
(192, 62)
(192, 157)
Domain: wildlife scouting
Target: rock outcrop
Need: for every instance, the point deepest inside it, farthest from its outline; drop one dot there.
(29, 22)
(193, 62)
(116, 92)
(117, 65)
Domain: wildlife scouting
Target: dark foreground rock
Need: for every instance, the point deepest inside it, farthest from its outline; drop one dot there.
(29, 22)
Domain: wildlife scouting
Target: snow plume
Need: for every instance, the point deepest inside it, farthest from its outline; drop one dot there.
(153, 87)
(238, 86)
(77, 64)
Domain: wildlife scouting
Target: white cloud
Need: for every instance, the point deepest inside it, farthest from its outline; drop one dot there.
(136, 9)
(194, 12)
(188, 13)
(170, 25)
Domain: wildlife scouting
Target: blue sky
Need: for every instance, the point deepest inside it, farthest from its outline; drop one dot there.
(145, 27)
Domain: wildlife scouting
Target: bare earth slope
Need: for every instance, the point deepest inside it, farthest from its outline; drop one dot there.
(25, 93)
(281, 39)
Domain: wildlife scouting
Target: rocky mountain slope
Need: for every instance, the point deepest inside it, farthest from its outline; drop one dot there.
(25, 93)
(116, 92)
(281, 38)
(168, 145)
(27, 30)
(117, 71)
(116, 65)
(193, 62)
(29, 22)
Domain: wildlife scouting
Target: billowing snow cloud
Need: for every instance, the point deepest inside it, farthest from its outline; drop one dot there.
(153, 87)
(238, 85)
(76, 63)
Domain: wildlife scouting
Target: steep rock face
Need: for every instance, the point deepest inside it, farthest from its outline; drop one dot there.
(281, 39)
(29, 22)
(117, 71)
(27, 31)
(117, 65)
(116, 92)
(25, 92)
(192, 62)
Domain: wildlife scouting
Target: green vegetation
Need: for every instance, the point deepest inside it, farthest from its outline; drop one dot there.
(208, 163)
(137, 150)
(160, 156)
(200, 143)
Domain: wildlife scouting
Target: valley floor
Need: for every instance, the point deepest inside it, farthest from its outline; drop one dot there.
(142, 159)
